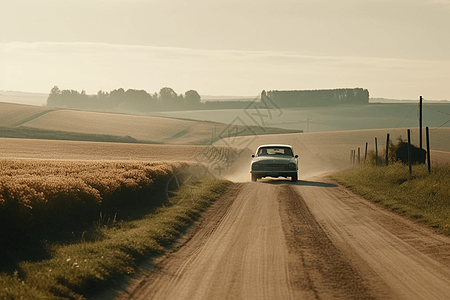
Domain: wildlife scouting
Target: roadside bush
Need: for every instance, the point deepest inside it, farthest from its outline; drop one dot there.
(381, 159)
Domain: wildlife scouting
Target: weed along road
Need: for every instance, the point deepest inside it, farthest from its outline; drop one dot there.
(313, 239)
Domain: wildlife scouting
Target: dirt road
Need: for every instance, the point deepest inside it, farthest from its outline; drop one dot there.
(311, 240)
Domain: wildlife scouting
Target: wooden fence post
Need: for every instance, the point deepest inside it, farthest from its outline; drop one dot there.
(359, 155)
(428, 150)
(365, 153)
(376, 152)
(420, 122)
(409, 151)
(387, 150)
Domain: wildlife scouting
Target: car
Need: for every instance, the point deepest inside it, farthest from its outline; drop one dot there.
(275, 161)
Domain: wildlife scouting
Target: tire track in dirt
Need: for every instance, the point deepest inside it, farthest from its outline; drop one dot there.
(260, 241)
(399, 258)
(239, 252)
(315, 264)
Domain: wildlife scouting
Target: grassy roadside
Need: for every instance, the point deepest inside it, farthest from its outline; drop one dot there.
(79, 268)
(423, 196)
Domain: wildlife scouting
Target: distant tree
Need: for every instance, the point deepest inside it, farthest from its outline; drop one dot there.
(192, 99)
(116, 97)
(350, 96)
(54, 97)
(69, 98)
(362, 95)
(102, 96)
(169, 99)
(138, 100)
(167, 94)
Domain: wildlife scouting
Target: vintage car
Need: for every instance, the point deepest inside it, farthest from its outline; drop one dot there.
(274, 161)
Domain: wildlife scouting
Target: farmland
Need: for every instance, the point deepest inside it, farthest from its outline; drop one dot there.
(325, 152)
(16, 114)
(70, 226)
(337, 118)
(50, 198)
(40, 122)
(68, 184)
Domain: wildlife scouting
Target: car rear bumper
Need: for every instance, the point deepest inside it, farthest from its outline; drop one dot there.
(283, 173)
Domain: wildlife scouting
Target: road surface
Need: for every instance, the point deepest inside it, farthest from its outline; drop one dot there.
(313, 239)
(307, 240)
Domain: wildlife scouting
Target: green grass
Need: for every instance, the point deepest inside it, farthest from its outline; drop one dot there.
(33, 133)
(76, 269)
(422, 195)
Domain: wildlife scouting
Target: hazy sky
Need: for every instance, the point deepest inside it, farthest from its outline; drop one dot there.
(395, 48)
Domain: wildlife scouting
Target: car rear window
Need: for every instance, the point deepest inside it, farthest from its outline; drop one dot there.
(275, 151)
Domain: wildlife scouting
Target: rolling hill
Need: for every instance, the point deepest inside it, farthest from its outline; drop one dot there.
(26, 121)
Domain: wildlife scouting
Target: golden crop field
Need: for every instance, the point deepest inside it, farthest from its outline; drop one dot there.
(15, 114)
(62, 181)
(40, 194)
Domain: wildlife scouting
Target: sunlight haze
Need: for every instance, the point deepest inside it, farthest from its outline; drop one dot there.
(396, 49)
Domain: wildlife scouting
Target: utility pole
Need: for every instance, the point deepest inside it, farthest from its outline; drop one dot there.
(420, 122)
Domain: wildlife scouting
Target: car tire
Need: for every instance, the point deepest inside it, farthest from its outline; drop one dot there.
(254, 178)
(294, 178)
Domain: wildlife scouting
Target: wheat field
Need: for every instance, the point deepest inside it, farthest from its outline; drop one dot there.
(47, 198)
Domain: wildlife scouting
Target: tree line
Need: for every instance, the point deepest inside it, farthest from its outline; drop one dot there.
(167, 99)
(318, 97)
(121, 100)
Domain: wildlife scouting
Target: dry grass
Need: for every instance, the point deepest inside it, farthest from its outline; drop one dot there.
(421, 196)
